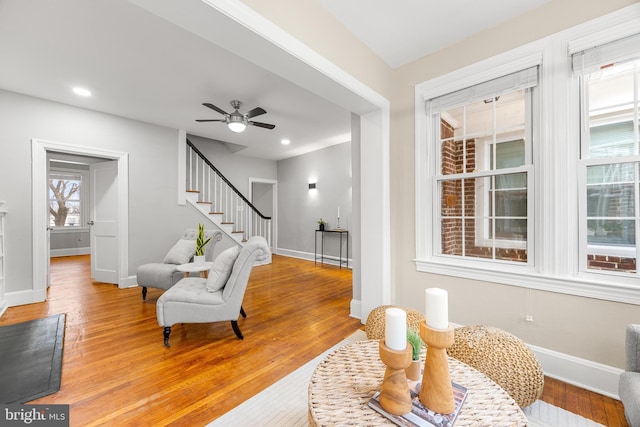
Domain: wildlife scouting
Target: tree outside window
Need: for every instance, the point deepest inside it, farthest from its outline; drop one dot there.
(64, 200)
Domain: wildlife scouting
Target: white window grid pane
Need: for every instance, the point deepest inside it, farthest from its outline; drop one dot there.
(484, 221)
(611, 103)
(611, 96)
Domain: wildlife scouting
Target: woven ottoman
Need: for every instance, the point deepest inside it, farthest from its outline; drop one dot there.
(503, 357)
(374, 327)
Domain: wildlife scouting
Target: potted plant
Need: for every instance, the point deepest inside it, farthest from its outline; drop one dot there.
(413, 338)
(321, 224)
(198, 258)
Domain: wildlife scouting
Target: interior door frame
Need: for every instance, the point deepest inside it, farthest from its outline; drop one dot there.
(39, 149)
(274, 216)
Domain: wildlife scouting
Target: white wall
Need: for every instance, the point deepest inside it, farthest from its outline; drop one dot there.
(299, 208)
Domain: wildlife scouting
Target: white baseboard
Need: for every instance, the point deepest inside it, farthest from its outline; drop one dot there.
(328, 259)
(3, 307)
(29, 296)
(295, 254)
(128, 282)
(356, 309)
(69, 252)
(583, 373)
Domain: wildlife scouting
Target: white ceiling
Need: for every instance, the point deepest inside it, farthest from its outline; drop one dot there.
(402, 31)
(143, 67)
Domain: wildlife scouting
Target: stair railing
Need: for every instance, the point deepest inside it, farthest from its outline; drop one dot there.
(214, 188)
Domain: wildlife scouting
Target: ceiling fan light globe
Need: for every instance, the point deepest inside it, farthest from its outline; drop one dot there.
(236, 126)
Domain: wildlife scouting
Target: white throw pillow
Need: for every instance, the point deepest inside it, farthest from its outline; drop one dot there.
(221, 269)
(181, 252)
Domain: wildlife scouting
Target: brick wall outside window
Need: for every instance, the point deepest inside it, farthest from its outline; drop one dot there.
(452, 162)
(611, 263)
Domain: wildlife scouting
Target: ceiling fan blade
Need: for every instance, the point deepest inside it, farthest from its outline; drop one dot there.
(256, 112)
(214, 108)
(262, 125)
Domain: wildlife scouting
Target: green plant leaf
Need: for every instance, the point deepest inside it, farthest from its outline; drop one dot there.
(416, 343)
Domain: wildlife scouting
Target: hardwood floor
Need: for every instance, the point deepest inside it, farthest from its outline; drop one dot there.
(116, 370)
(594, 406)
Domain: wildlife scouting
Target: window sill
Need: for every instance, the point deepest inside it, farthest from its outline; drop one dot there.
(602, 286)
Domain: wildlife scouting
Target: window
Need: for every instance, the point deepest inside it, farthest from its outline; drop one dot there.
(509, 194)
(484, 167)
(66, 198)
(609, 78)
(544, 194)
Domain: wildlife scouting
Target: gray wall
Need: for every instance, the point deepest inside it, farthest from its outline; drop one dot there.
(300, 208)
(155, 219)
(235, 167)
(262, 198)
(69, 242)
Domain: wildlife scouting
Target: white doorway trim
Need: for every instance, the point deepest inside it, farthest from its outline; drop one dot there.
(274, 216)
(300, 64)
(233, 25)
(39, 179)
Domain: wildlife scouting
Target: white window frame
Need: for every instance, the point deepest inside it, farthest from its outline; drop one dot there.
(556, 255)
(626, 252)
(483, 155)
(83, 196)
(584, 247)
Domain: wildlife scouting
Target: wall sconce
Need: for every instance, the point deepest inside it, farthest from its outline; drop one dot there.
(312, 186)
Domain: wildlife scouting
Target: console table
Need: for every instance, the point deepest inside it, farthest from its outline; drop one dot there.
(341, 233)
(343, 383)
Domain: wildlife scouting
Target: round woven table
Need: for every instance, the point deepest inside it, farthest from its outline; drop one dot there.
(343, 383)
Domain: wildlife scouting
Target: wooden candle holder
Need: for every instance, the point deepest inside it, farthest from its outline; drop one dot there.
(394, 392)
(436, 392)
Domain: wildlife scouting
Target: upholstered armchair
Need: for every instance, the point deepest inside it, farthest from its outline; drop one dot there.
(216, 298)
(163, 275)
(629, 385)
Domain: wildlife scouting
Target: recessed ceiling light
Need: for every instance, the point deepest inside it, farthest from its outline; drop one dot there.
(285, 142)
(81, 91)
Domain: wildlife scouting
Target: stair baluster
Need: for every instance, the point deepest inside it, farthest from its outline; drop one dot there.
(215, 194)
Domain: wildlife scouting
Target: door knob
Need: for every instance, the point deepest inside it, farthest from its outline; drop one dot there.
(90, 222)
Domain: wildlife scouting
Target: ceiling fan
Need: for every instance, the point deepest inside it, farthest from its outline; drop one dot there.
(238, 121)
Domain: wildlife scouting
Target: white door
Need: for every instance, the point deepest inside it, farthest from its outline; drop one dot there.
(104, 221)
(49, 228)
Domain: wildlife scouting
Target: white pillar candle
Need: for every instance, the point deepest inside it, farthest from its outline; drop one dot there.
(395, 328)
(437, 308)
(338, 211)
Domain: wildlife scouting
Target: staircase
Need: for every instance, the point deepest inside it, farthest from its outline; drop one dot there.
(213, 195)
